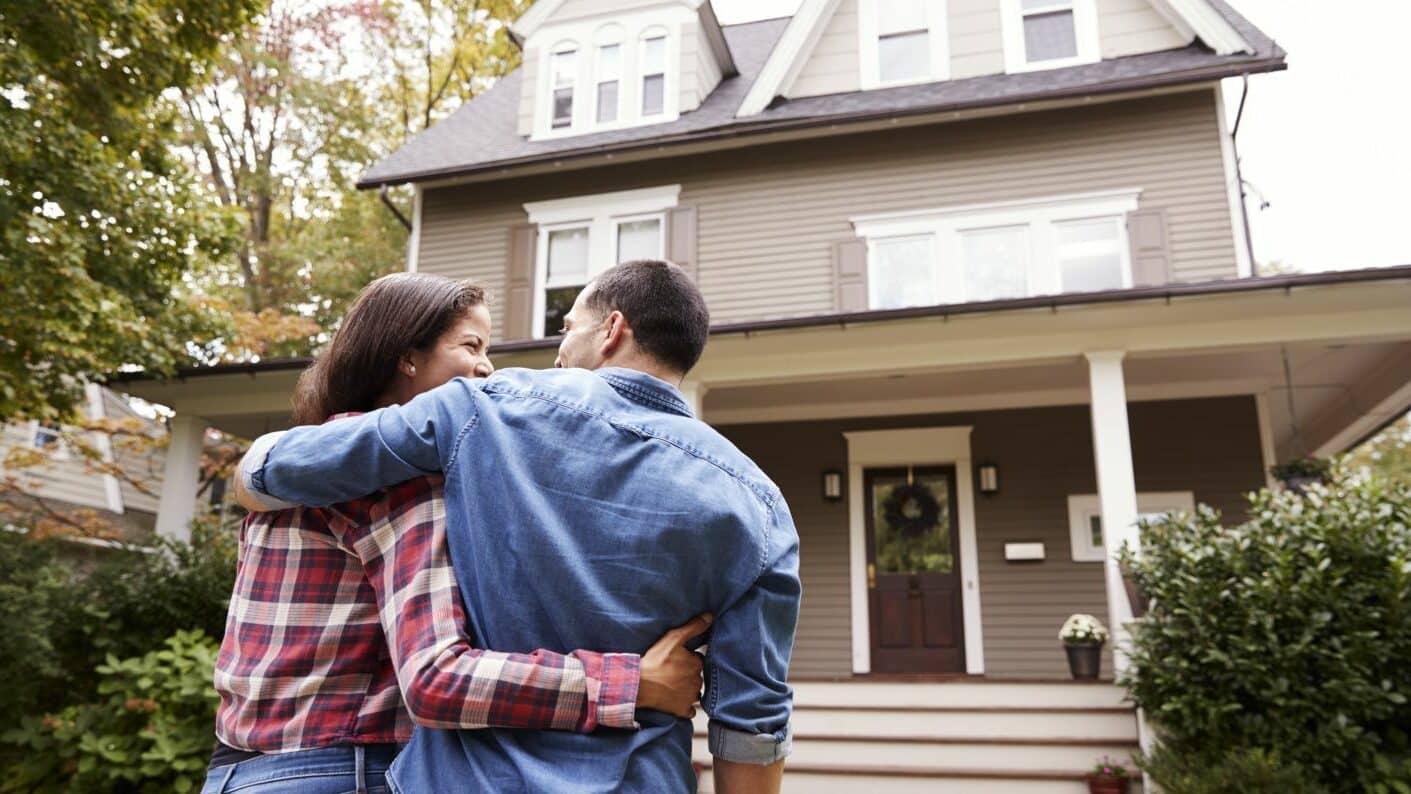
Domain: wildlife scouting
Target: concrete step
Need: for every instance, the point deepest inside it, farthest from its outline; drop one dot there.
(861, 753)
(962, 693)
(1113, 725)
(813, 779)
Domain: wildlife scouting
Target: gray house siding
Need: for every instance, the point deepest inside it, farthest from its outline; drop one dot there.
(1208, 446)
(770, 216)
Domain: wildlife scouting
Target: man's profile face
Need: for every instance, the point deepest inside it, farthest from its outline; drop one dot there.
(582, 335)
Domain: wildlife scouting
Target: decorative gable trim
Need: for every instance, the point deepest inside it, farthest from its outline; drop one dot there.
(789, 56)
(528, 22)
(1199, 19)
(539, 13)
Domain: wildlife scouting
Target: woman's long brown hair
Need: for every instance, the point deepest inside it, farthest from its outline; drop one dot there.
(391, 317)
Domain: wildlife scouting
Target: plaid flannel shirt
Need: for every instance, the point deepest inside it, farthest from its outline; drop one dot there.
(346, 625)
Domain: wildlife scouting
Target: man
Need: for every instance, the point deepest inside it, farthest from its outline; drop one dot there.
(587, 507)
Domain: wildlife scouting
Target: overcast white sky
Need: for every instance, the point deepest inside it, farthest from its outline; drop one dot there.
(1327, 143)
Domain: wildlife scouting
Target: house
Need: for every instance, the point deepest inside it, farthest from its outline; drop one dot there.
(982, 296)
(62, 481)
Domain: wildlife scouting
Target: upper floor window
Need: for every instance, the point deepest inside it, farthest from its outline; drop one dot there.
(609, 82)
(1044, 34)
(902, 41)
(583, 236)
(563, 68)
(654, 74)
(999, 251)
(48, 437)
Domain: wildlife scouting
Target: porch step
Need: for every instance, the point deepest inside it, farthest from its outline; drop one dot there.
(955, 736)
(816, 779)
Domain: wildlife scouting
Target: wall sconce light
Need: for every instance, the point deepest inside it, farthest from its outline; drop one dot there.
(989, 478)
(832, 486)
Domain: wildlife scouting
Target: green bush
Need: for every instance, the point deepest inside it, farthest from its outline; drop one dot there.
(1221, 772)
(1289, 633)
(64, 632)
(151, 731)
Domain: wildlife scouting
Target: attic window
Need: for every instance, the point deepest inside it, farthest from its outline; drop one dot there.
(563, 68)
(654, 75)
(902, 42)
(902, 47)
(1044, 34)
(609, 81)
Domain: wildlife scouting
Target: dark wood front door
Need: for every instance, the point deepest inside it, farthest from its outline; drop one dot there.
(913, 570)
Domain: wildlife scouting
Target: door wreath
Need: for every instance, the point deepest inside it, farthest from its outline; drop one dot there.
(912, 509)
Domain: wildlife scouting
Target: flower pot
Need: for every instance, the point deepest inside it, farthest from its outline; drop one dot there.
(1104, 784)
(1136, 596)
(1084, 661)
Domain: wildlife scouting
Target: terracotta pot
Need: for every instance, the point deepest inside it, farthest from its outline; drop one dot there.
(1102, 784)
(1084, 661)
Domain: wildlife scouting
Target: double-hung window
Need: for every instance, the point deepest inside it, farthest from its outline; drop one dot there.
(563, 66)
(998, 251)
(1043, 34)
(609, 82)
(902, 41)
(583, 236)
(653, 61)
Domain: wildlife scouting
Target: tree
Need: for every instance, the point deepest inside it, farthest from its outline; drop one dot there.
(98, 222)
(292, 114)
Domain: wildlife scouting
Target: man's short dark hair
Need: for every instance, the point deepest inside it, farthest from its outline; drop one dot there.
(664, 308)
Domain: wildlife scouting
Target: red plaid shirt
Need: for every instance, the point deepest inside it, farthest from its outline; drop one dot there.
(346, 625)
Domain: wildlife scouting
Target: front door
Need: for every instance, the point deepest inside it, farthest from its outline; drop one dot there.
(913, 570)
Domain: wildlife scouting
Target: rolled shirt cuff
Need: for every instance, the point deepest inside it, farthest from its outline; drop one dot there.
(252, 472)
(617, 695)
(750, 748)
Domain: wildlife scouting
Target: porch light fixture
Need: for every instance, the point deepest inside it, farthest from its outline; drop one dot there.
(988, 475)
(832, 486)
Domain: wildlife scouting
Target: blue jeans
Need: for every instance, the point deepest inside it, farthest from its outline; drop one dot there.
(326, 770)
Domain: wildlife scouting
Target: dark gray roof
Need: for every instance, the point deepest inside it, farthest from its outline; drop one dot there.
(483, 134)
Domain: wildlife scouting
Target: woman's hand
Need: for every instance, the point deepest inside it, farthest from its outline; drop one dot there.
(671, 673)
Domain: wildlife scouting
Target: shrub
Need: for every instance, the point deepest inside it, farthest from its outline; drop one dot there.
(151, 730)
(1289, 633)
(1224, 771)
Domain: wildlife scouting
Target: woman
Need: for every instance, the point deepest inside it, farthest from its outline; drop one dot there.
(346, 625)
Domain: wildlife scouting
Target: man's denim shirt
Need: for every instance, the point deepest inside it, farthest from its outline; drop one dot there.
(584, 510)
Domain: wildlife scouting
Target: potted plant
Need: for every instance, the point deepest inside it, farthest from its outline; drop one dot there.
(1302, 472)
(1108, 777)
(1083, 637)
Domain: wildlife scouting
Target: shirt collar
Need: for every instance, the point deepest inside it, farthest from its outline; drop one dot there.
(639, 387)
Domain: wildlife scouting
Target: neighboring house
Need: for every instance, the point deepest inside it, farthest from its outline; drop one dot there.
(68, 484)
(982, 293)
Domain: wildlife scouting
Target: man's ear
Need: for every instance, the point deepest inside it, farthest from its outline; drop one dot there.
(616, 334)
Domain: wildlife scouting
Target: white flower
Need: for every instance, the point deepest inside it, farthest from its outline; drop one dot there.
(51, 210)
(16, 96)
(1083, 629)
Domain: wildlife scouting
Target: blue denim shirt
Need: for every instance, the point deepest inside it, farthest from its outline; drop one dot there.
(584, 510)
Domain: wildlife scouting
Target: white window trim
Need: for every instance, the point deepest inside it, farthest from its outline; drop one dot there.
(913, 447)
(670, 81)
(59, 452)
(598, 76)
(937, 23)
(1085, 29)
(946, 224)
(1082, 507)
(586, 35)
(601, 214)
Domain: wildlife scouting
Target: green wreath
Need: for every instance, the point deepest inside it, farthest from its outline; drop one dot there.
(911, 509)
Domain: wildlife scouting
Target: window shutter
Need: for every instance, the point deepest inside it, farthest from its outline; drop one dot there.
(1151, 258)
(519, 282)
(681, 240)
(850, 275)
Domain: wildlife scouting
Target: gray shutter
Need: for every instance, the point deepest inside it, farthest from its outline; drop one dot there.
(681, 239)
(1151, 258)
(519, 282)
(850, 275)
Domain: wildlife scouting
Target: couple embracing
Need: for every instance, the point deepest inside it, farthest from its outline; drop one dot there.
(521, 563)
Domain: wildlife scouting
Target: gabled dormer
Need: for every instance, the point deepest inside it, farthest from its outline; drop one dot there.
(844, 46)
(597, 65)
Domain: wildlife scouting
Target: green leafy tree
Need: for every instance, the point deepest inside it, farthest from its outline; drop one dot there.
(98, 222)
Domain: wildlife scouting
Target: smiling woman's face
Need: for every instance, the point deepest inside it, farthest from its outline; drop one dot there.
(463, 351)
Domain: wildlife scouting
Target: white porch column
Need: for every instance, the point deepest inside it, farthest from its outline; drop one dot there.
(1116, 485)
(694, 391)
(181, 478)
